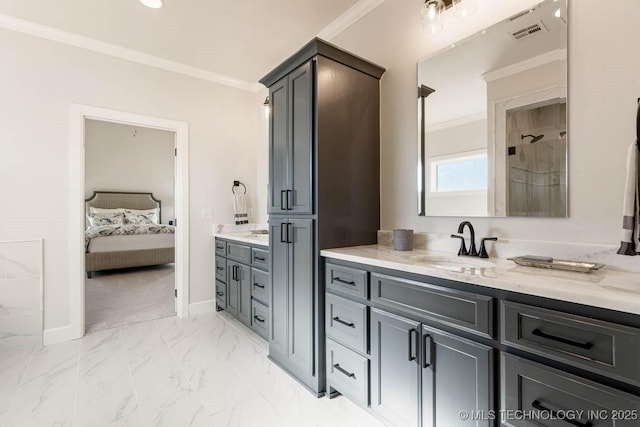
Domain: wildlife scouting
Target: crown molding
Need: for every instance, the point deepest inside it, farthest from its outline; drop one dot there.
(348, 18)
(76, 40)
(527, 64)
(341, 23)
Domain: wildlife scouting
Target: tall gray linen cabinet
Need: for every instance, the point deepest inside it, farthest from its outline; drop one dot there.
(324, 190)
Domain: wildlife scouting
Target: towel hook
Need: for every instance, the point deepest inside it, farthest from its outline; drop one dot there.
(238, 184)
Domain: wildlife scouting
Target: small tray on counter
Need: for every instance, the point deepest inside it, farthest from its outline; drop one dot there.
(556, 264)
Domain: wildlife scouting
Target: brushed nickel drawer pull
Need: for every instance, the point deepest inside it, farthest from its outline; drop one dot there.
(586, 345)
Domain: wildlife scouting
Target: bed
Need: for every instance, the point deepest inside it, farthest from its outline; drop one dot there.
(113, 246)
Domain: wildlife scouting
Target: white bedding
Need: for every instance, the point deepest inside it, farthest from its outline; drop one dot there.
(131, 242)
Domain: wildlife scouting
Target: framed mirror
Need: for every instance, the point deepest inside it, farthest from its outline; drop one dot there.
(492, 113)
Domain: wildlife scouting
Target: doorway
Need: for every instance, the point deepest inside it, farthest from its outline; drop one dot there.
(130, 236)
(80, 116)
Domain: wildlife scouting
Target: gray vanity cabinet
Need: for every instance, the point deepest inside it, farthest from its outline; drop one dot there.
(239, 291)
(395, 371)
(242, 282)
(422, 376)
(457, 375)
(291, 147)
(291, 337)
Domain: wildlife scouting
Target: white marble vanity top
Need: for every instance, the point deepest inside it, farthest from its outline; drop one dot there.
(606, 288)
(245, 237)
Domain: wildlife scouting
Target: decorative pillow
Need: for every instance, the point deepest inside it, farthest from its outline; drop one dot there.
(141, 219)
(96, 219)
(152, 214)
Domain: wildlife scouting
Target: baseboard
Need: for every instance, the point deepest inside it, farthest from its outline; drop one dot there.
(58, 335)
(208, 306)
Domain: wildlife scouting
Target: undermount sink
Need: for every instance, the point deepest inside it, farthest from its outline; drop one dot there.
(452, 262)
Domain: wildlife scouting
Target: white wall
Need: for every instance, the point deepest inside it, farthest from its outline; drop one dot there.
(39, 79)
(604, 83)
(120, 157)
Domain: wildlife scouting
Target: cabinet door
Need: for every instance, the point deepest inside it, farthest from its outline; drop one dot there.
(278, 141)
(301, 140)
(395, 368)
(233, 288)
(456, 377)
(278, 300)
(244, 294)
(300, 293)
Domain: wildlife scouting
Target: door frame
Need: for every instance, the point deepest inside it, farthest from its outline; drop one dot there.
(78, 114)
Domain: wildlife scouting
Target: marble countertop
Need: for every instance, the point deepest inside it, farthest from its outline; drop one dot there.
(605, 288)
(245, 237)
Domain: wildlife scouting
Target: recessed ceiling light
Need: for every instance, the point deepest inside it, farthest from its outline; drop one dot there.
(154, 4)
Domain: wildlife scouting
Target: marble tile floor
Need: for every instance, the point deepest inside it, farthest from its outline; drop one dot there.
(207, 370)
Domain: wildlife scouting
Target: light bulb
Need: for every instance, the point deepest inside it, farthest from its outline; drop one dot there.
(430, 12)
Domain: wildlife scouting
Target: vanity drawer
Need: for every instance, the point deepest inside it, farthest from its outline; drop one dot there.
(464, 310)
(260, 285)
(260, 258)
(260, 318)
(240, 253)
(221, 269)
(348, 373)
(221, 247)
(348, 281)
(346, 322)
(221, 293)
(528, 386)
(605, 348)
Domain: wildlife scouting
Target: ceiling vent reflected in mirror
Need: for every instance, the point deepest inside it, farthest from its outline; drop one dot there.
(529, 31)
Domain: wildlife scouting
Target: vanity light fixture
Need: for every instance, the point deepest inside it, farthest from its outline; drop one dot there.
(153, 4)
(265, 107)
(432, 10)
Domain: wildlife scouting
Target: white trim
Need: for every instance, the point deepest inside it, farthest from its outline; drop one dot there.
(71, 39)
(456, 122)
(78, 114)
(527, 64)
(207, 306)
(58, 335)
(348, 18)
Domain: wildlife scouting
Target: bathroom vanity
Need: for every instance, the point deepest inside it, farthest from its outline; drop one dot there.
(242, 279)
(428, 339)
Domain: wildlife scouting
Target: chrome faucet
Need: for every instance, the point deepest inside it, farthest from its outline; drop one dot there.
(472, 244)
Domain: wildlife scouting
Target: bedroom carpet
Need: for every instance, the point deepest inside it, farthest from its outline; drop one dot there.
(123, 297)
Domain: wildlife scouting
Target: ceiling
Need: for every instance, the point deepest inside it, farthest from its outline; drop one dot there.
(241, 39)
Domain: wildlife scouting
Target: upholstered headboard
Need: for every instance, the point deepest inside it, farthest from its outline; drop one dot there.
(127, 200)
